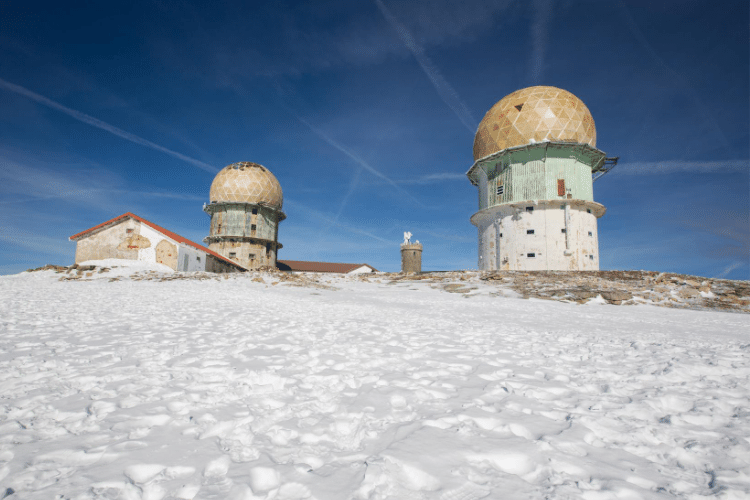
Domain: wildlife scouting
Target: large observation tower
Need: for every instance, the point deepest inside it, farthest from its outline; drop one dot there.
(535, 160)
(245, 212)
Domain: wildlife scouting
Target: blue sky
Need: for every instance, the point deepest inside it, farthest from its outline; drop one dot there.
(366, 113)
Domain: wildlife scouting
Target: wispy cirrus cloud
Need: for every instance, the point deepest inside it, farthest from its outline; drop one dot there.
(434, 178)
(682, 83)
(672, 166)
(444, 89)
(287, 93)
(321, 216)
(95, 122)
(27, 181)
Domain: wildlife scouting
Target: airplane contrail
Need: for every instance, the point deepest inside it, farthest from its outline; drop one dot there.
(543, 9)
(95, 122)
(669, 166)
(444, 89)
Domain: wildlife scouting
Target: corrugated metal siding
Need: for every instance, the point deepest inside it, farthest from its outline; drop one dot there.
(538, 180)
(529, 181)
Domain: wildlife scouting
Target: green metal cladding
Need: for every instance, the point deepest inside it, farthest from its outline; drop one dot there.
(542, 171)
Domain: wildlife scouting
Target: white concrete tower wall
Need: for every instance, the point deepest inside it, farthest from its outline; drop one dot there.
(539, 235)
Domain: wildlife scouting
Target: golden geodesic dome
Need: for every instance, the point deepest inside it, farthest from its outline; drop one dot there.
(246, 182)
(534, 114)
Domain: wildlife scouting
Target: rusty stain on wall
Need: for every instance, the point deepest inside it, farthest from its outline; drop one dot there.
(166, 253)
(134, 242)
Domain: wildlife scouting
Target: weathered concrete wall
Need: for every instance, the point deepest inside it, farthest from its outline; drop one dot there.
(121, 241)
(244, 233)
(214, 265)
(166, 253)
(411, 258)
(248, 254)
(511, 237)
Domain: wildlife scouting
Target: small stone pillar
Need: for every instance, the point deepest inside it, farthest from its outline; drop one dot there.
(411, 256)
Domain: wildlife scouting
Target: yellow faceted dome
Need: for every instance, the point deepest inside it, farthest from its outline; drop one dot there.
(534, 114)
(246, 182)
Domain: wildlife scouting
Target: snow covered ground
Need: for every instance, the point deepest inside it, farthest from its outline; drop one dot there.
(248, 387)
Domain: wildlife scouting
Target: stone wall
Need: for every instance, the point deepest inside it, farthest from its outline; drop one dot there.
(120, 241)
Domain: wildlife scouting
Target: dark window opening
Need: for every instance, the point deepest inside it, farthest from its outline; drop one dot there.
(588, 210)
(252, 228)
(529, 231)
(532, 255)
(591, 257)
(591, 234)
(501, 235)
(255, 211)
(128, 231)
(529, 209)
(562, 230)
(232, 255)
(500, 190)
(519, 107)
(197, 258)
(251, 256)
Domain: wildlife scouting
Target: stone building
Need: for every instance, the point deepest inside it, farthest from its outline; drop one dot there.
(245, 210)
(535, 162)
(131, 237)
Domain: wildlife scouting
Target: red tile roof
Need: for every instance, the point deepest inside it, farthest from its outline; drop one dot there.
(174, 236)
(318, 267)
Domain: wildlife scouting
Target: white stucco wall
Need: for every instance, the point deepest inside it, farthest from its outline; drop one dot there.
(185, 253)
(194, 258)
(149, 254)
(504, 242)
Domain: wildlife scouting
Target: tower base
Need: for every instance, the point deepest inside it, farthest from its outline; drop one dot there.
(539, 235)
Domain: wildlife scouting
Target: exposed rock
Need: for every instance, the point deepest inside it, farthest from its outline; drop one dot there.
(616, 295)
(688, 292)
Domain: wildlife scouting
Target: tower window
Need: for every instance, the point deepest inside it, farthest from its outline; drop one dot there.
(529, 209)
(232, 255)
(588, 210)
(251, 256)
(198, 258)
(531, 255)
(591, 234)
(252, 228)
(500, 189)
(529, 231)
(562, 230)
(591, 257)
(255, 211)
(501, 235)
